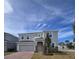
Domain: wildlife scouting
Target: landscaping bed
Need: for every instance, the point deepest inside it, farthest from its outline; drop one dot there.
(65, 55)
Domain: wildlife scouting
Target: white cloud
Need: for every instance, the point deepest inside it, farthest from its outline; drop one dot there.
(37, 25)
(7, 7)
(68, 21)
(52, 9)
(65, 28)
(42, 26)
(34, 17)
(65, 34)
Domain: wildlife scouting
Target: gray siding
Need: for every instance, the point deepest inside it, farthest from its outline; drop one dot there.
(11, 41)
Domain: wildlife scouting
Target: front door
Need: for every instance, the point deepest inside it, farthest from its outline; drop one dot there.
(39, 46)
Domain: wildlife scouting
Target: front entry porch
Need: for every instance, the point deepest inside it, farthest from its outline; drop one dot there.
(39, 46)
(39, 43)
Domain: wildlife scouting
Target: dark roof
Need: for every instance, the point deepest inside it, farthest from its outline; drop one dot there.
(10, 37)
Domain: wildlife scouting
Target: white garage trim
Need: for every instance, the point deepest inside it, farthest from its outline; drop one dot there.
(26, 46)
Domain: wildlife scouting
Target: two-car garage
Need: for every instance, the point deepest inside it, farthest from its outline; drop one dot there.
(25, 46)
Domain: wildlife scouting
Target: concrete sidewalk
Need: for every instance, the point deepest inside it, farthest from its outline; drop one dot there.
(20, 55)
(67, 50)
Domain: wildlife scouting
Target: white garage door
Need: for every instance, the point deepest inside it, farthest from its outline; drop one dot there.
(26, 47)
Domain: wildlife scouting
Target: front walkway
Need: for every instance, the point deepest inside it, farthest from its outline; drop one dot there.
(20, 55)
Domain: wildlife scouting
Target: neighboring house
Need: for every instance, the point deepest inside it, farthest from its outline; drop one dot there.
(5, 45)
(61, 48)
(35, 41)
(9, 42)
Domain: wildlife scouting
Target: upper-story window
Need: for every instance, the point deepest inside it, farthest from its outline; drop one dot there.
(52, 44)
(50, 35)
(22, 37)
(27, 37)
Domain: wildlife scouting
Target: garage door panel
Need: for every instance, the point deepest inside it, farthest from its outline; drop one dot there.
(26, 48)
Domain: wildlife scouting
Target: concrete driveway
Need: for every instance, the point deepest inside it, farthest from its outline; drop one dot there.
(20, 55)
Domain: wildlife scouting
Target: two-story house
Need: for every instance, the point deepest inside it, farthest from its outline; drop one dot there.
(35, 41)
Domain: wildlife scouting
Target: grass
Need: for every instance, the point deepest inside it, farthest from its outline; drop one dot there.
(66, 55)
(8, 53)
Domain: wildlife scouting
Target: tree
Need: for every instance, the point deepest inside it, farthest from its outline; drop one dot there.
(62, 44)
(67, 42)
(74, 28)
(70, 45)
(74, 31)
(74, 35)
(48, 40)
(47, 44)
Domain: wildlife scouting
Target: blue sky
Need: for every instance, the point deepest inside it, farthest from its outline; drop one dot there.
(39, 15)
